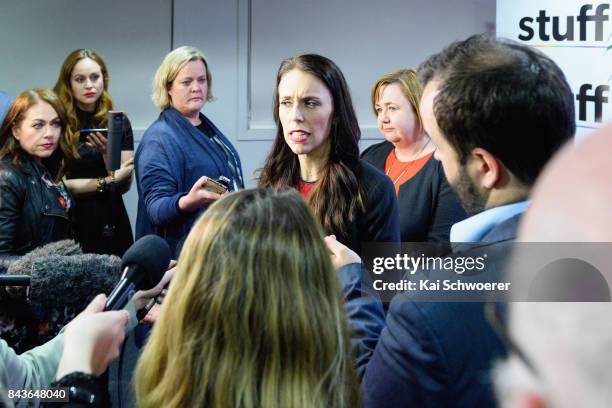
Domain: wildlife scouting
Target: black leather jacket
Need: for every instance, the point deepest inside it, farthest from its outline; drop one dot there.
(30, 212)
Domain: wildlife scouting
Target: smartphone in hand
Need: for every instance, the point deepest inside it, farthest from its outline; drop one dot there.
(219, 186)
(85, 132)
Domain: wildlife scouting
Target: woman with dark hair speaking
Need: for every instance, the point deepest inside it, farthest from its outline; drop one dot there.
(316, 151)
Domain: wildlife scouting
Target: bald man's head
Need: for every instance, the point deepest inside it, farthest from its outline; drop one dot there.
(566, 343)
(571, 200)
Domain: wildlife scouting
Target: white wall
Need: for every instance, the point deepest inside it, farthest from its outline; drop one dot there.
(132, 37)
(244, 41)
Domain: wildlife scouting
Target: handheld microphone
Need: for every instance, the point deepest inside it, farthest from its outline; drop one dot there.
(144, 264)
(114, 140)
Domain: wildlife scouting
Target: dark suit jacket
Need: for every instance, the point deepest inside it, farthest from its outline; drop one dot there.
(379, 220)
(434, 354)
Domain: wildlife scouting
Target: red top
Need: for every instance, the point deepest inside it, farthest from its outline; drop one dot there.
(305, 187)
(400, 172)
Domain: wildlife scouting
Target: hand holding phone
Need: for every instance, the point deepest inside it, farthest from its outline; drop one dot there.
(85, 132)
(98, 141)
(203, 192)
(96, 138)
(219, 186)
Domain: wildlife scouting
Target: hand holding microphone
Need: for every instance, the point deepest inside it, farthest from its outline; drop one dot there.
(92, 340)
(148, 302)
(143, 298)
(143, 265)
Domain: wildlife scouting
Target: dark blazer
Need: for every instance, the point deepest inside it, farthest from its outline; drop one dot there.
(364, 313)
(379, 221)
(435, 354)
(427, 205)
(171, 157)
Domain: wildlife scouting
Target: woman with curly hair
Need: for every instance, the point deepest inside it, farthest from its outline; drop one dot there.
(101, 221)
(35, 204)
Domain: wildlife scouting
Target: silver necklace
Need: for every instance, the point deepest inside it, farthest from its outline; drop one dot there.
(410, 162)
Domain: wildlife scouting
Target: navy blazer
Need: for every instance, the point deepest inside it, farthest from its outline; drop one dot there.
(435, 354)
(379, 220)
(171, 157)
(364, 313)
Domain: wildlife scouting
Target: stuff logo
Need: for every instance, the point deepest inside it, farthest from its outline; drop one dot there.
(597, 98)
(583, 19)
(587, 26)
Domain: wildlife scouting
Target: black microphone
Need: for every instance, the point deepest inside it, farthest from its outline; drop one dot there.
(143, 264)
(114, 141)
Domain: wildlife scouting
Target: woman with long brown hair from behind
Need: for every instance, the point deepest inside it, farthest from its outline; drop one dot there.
(264, 327)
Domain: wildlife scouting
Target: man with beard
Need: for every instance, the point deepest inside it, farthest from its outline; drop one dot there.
(497, 111)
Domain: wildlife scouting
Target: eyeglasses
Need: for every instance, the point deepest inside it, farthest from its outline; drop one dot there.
(496, 314)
